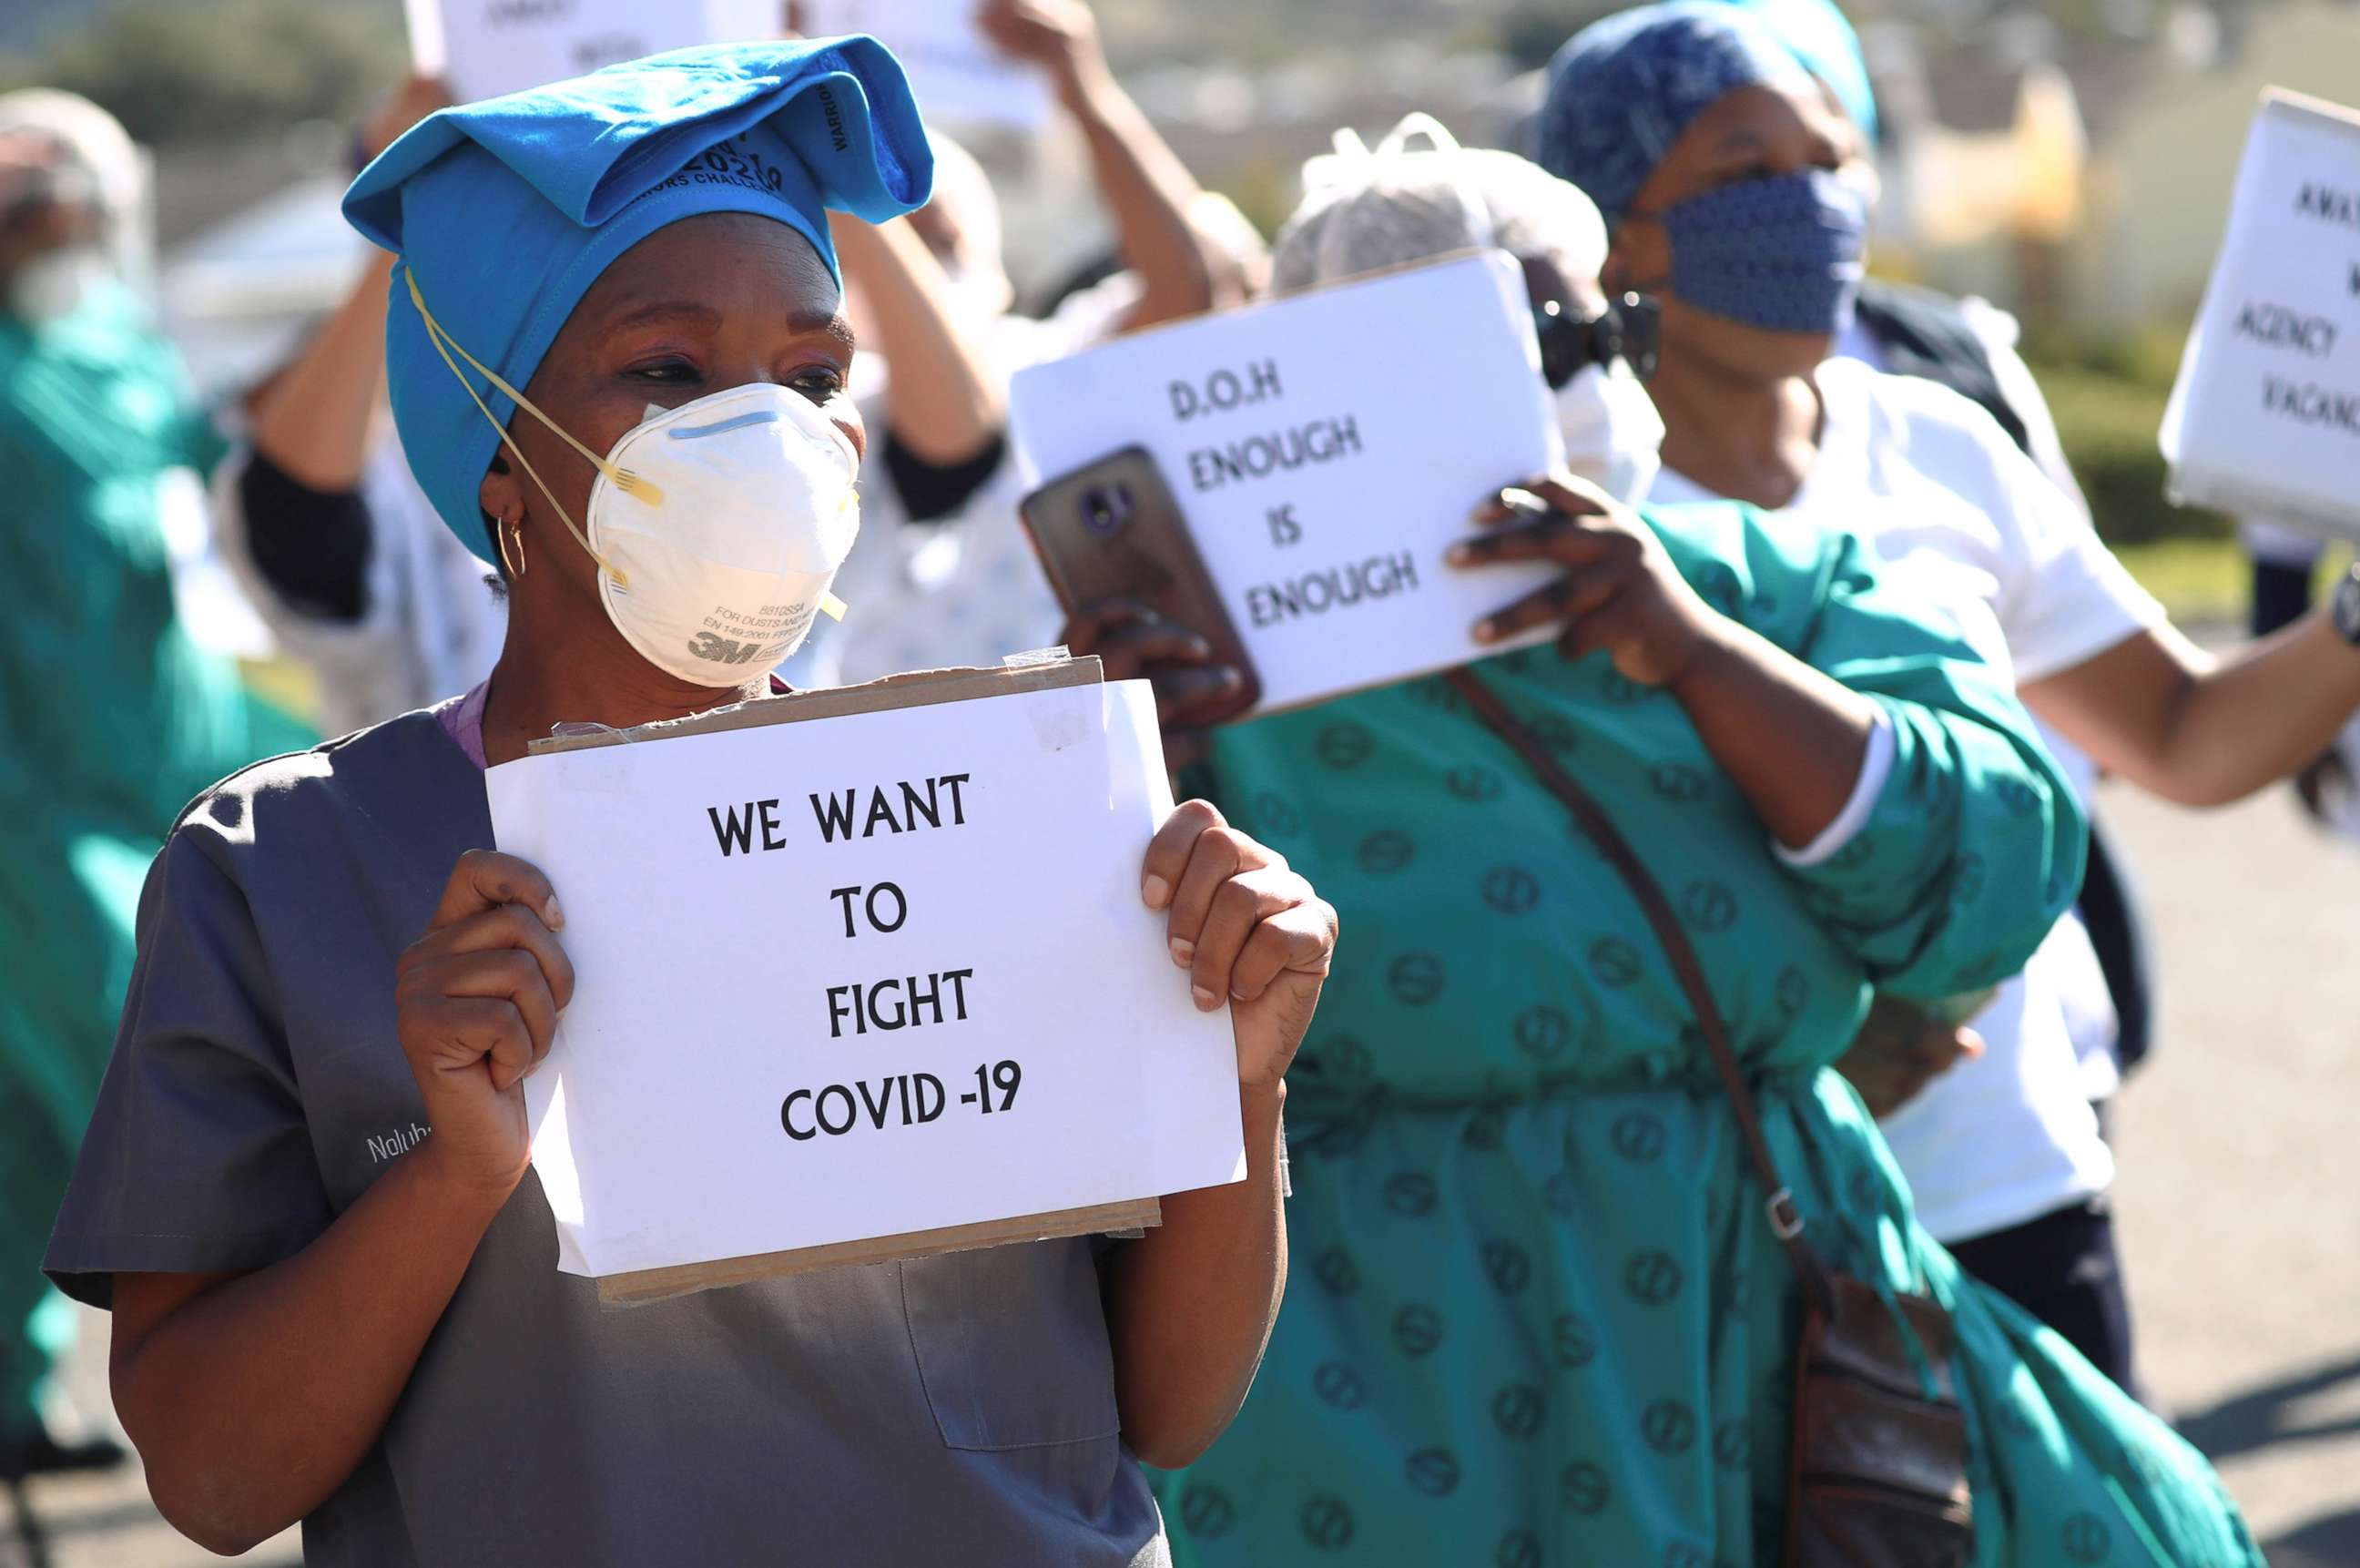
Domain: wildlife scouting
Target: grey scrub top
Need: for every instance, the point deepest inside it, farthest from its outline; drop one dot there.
(958, 1410)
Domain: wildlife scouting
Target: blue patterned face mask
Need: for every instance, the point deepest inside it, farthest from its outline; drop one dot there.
(1782, 253)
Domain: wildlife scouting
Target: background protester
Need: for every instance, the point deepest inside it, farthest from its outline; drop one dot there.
(1735, 186)
(1970, 345)
(319, 516)
(965, 589)
(925, 308)
(115, 717)
(381, 1347)
(1179, 255)
(1542, 1318)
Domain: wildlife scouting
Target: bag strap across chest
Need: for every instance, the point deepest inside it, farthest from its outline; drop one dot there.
(1786, 1218)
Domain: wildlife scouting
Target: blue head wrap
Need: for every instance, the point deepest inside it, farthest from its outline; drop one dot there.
(504, 212)
(1623, 90)
(1819, 35)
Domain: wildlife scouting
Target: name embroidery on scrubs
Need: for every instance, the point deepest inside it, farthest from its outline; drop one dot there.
(395, 1144)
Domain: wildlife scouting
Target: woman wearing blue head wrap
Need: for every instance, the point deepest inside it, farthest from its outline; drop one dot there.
(618, 369)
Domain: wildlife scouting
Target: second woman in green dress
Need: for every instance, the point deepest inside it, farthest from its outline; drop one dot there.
(1538, 1316)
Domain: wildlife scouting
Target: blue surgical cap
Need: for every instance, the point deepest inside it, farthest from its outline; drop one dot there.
(1820, 36)
(1623, 90)
(504, 212)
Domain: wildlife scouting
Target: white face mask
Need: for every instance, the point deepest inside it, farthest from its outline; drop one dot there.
(1613, 437)
(717, 581)
(49, 287)
(718, 526)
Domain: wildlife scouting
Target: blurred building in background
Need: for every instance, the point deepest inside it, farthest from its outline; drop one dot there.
(2070, 159)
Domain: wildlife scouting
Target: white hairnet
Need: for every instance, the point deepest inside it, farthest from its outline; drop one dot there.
(1363, 210)
(95, 139)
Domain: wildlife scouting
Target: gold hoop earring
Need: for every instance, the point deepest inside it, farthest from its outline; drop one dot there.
(513, 528)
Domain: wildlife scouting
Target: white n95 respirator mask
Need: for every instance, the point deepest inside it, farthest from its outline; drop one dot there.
(718, 526)
(1613, 437)
(717, 580)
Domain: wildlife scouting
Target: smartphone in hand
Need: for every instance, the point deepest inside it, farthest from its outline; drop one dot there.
(1113, 530)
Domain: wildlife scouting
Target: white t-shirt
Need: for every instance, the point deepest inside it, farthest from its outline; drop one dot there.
(1945, 498)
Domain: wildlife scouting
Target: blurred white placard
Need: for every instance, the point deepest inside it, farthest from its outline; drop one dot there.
(956, 75)
(2265, 418)
(1325, 449)
(865, 975)
(484, 49)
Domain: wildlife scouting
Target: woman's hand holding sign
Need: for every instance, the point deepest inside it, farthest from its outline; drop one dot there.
(1793, 740)
(1246, 928)
(1193, 688)
(478, 997)
(1619, 591)
(1190, 1305)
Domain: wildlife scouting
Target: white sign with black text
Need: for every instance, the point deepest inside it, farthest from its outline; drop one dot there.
(1326, 448)
(956, 75)
(2265, 418)
(484, 49)
(863, 976)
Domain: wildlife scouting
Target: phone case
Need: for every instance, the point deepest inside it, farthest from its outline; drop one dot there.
(1112, 530)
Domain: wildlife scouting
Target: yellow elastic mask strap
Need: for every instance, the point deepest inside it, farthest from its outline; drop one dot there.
(622, 478)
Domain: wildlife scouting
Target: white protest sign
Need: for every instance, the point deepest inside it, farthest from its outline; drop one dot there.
(2264, 417)
(484, 49)
(863, 976)
(1325, 449)
(956, 75)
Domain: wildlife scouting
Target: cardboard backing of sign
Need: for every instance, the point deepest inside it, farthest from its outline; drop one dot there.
(2263, 419)
(919, 689)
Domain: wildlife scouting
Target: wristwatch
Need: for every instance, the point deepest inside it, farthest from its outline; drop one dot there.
(2347, 606)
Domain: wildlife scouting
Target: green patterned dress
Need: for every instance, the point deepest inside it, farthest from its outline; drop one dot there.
(1535, 1318)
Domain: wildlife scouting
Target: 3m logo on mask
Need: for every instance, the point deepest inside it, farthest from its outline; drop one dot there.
(718, 649)
(777, 629)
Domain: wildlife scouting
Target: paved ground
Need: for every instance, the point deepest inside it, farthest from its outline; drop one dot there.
(2239, 1146)
(2239, 1209)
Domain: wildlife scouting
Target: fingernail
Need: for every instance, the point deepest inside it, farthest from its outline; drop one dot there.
(1183, 951)
(1458, 555)
(1231, 679)
(1156, 891)
(1486, 630)
(1206, 999)
(552, 915)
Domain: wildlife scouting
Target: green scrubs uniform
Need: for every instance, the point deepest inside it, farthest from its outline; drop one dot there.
(113, 721)
(1536, 1317)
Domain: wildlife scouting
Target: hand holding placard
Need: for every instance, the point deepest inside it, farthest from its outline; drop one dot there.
(2265, 416)
(1620, 593)
(476, 998)
(1246, 928)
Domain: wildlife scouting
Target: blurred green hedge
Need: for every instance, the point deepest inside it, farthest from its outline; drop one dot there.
(2108, 397)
